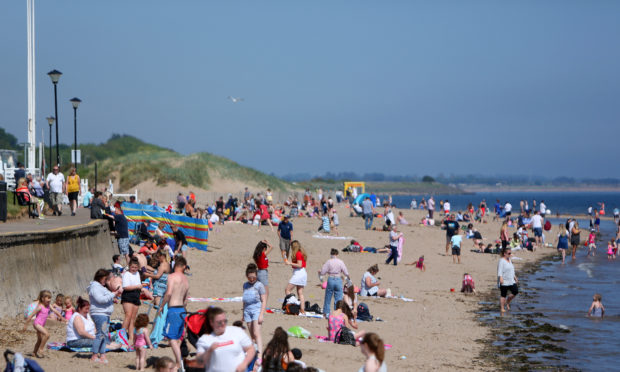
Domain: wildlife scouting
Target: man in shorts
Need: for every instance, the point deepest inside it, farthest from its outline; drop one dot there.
(537, 227)
(452, 228)
(176, 299)
(455, 241)
(58, 187)
(285, 231)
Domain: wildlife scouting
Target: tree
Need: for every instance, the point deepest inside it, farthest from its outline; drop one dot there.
(428, 179)
(7, 140)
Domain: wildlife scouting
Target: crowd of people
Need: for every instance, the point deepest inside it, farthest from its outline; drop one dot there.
(156, 272)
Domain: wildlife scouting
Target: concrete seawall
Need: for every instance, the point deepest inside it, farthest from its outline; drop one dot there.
(61, 260)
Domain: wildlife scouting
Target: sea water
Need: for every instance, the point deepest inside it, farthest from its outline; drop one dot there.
(547, 325)
(556, 202)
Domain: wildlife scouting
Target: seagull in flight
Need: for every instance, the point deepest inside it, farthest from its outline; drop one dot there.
(235, 99)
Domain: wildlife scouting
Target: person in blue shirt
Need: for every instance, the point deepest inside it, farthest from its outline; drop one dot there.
(285, 231)
(456, 247)
(86, 199)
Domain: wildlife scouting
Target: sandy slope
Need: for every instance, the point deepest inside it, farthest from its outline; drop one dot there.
(436, 332)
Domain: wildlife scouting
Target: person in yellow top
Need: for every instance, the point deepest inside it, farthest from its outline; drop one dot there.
(73, 190)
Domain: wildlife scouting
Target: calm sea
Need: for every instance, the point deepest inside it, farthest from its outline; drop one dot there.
(563, 202)
(555, 298)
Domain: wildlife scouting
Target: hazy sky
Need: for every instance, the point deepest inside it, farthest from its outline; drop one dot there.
(399, 87)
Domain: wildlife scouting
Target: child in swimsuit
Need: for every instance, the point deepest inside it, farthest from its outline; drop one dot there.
(592, 243)
(597, 310)
(69, 309)
(141, 339)
(419, 263)
(40, 315)
(611, 254)
(57, 305)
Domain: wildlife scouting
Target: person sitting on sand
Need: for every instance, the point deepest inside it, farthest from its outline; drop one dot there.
(370, 284)
(419, 263)
(340, 317)
(597, 310)
(401, 219)
(277, 355)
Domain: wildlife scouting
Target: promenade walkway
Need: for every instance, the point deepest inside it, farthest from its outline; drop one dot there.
(50, 223)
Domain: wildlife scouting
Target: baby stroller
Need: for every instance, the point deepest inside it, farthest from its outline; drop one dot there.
(193, 325)
(15, 362)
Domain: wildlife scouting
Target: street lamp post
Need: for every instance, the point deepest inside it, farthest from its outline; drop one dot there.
(50, 121)
(75, 102)
(55, 75)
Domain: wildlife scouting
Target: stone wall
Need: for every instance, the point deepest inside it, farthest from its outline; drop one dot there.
(62, 260)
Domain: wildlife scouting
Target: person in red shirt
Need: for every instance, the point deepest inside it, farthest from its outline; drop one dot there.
(148, 248)
(262, 262)
(300, 276)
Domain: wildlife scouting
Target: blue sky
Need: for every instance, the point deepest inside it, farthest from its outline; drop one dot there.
(399, 87)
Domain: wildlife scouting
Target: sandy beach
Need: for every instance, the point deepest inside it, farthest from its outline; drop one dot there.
(437, 331)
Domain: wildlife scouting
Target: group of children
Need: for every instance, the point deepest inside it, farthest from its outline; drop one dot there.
(41, 310)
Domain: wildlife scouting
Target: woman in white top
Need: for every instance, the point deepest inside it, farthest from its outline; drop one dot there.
(370, 284)
(374, 350)
(80, 327)
(130, 298)
(507, 280)
(223, 348)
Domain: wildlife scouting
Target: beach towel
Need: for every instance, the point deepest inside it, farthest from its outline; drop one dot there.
(401, 241)
(157, 333)
(326, 339)
(119, 336)
(215, 299)
(318, 236)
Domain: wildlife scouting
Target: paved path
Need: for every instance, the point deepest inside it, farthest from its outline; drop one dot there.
(49, 223)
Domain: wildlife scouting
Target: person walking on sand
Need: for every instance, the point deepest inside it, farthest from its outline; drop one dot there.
(285, 232)
(452, 227)
(176, 299)
(394, 236)
(369, 212)
(507, 280)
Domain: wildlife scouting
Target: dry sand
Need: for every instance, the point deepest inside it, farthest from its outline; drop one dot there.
(437, 331)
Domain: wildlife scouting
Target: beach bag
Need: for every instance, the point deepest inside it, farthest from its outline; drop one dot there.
(345, 336)
(547, 226)
(290, 305)
(363, 313)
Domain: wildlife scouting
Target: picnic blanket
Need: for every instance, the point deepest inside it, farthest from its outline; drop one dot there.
(215, 299)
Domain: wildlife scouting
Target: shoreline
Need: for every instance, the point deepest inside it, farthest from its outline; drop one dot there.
(540, 189)
(520, 328)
